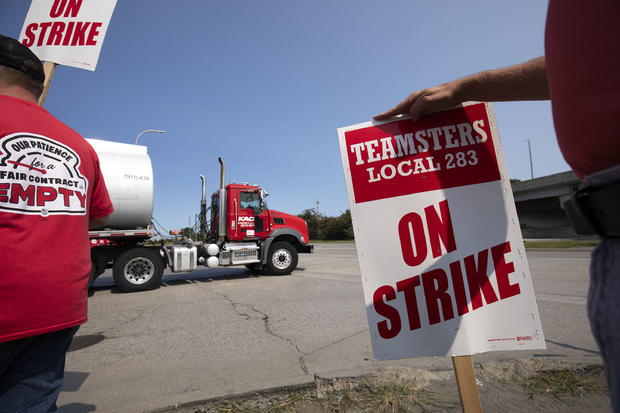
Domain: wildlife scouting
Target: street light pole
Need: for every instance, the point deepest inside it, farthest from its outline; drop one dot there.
(145, 131)
(529, 146)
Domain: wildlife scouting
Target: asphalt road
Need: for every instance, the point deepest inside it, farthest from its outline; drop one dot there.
(219, 332)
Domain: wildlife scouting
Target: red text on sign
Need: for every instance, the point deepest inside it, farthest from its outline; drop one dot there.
(65, 8)
(439, 299)
(413, 239)
(62, 34)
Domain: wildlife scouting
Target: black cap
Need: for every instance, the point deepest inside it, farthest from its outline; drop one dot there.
(17, 56)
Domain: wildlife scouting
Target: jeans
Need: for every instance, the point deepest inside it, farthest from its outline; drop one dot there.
(32, 370)
(604, 311)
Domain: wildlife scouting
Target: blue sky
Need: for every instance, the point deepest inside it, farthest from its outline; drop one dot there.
(265, 85)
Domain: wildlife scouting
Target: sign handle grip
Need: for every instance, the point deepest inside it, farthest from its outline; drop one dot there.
(466, 381)
(48, 68)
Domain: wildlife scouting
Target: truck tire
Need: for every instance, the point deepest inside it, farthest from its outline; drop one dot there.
(282, 258)
(138, 269)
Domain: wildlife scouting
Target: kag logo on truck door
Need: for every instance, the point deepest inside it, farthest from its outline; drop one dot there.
(40, 176)
(246, 221)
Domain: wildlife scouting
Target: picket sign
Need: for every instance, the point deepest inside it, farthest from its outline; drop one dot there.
(441, 255)
(66, 32)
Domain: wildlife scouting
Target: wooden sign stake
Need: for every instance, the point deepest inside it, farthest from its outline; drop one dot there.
(466, 381)
(48, 68)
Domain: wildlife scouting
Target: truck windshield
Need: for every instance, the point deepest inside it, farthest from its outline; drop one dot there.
(249, 200)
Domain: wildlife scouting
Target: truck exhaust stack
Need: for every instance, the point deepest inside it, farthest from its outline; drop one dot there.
(222, 172)
(222, 207)
(203, 209)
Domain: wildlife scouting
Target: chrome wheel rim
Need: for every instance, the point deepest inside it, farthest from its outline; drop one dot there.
(139, 270)
(282, 259)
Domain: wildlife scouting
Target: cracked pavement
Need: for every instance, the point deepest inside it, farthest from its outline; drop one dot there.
(213, 333)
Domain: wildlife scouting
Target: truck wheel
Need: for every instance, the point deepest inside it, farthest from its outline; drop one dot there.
(282, 258)
(138, 269)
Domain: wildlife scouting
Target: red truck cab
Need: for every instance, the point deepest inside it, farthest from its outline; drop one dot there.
(280, 236)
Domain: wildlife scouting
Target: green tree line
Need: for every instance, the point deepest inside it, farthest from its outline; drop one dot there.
(321, 227)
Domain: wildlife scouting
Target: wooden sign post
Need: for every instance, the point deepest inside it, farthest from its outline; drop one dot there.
(466, 382)
(48, 68)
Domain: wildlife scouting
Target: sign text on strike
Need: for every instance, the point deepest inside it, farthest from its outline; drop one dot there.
(60, 33)
(436, 283)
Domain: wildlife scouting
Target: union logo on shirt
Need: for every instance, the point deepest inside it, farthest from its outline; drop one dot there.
(40, 176)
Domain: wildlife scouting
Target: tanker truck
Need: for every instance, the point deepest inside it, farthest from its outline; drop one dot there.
(242, 230)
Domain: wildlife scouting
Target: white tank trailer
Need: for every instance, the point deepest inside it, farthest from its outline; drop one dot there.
(128, 175)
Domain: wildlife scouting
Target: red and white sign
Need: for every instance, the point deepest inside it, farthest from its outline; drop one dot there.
(67, 32)
(442, 259)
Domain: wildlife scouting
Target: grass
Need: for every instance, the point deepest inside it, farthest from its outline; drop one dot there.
(393, 397)
(228, 406)
(289, 403)
(561, 383)
(560, 244)
(376, 397)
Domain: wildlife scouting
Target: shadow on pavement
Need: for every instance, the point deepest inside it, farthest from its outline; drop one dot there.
(104, 283)
(77, 408)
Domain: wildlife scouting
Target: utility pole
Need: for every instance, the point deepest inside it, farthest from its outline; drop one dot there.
(529, 146)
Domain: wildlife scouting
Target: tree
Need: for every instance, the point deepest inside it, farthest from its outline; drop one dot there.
(314, 219)
(338, 228)
(188, 232)
(328, 228)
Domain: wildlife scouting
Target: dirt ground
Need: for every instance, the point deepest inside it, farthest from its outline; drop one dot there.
(519, 386)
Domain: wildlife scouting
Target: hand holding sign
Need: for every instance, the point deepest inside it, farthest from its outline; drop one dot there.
(424, 101)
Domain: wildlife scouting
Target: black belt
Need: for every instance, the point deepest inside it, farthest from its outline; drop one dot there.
(595, 207)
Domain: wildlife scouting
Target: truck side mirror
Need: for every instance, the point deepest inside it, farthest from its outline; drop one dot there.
(262, 195)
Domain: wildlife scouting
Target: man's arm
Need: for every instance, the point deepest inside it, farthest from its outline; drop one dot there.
(525, 81)
(98, 222)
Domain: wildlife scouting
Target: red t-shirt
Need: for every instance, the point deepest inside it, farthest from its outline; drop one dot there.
(50, 185)
(583, 69)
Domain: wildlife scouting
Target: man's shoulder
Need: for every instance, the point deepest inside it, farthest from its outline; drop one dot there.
(33, 125)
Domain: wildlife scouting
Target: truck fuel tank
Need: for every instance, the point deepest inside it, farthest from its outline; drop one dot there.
(128, 175)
